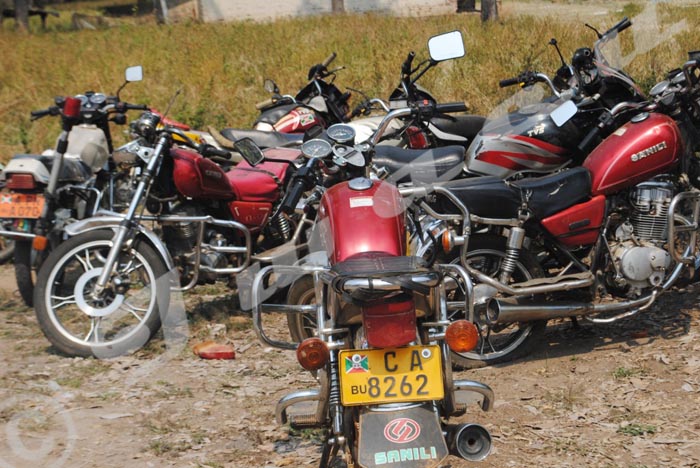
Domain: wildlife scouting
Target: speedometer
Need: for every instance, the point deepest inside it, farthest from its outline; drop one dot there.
(316, 148)
(98, 98)
(341, 133)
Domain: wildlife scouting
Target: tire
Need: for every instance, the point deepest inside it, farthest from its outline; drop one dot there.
(7, 249)
(124, 319)
(301, 326)
(24, 273)
(507, 342)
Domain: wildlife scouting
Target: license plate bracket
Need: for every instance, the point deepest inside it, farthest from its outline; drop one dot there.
(391, 375)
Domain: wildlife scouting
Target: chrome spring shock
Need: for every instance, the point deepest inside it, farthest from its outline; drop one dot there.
(513, 246)
(283, 226)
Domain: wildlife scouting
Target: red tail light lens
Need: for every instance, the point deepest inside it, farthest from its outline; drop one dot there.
(417, 139)
(390, 323)
(312, 354)
(461, 336)
(20, 182)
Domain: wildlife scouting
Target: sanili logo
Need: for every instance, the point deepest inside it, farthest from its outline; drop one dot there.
(402, 430)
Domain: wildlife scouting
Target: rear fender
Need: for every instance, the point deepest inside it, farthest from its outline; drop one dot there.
(28, 165)
(112, 222)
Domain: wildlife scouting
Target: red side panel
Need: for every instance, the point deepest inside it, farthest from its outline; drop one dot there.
(252, 214)
(355, 222)
(579, 224)
(257, 184)
(198, 177)
(633, 153)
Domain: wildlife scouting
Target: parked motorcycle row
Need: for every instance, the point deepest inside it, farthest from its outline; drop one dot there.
(397, 245)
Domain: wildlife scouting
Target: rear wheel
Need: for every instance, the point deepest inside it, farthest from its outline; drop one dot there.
(301, 326)
(497, 343)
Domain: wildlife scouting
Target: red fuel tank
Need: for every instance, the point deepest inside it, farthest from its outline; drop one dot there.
(198, 177)
(648, 145)
(362, 217)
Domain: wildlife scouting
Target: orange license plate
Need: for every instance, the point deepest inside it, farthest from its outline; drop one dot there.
(21, 205)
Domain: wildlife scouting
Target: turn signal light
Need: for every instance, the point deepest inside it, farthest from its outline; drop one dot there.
(313, 354)
(20, 182)
(461, 336)
(417, 139)
(40, 243)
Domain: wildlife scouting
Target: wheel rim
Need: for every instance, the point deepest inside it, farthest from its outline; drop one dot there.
(123, 311)
(494, 343)
(306, 323)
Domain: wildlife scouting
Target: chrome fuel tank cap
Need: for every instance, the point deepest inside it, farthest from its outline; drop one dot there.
(360, 183)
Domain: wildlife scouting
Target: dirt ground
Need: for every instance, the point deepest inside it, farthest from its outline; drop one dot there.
(623, 395)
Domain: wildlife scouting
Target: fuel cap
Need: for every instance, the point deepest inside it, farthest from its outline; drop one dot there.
(360, 183)
(640, 117)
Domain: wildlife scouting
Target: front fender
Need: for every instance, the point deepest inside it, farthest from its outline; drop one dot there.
(112, 221)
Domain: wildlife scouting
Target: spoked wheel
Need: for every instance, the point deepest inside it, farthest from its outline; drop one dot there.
(498, 343)
(79, 322)
(301, 292)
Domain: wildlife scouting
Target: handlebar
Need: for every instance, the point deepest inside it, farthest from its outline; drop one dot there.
(38, 114)
(329, 59)
(207, 150)
(528, 78)
(623, 24)
(449, 107)
(508, 82)
(303, 180)
(406, 67)
(263, 104)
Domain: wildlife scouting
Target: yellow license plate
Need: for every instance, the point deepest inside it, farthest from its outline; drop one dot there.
(21, 205)
(392, 375)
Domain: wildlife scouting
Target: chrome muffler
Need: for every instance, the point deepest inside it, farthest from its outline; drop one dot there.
(470, 442)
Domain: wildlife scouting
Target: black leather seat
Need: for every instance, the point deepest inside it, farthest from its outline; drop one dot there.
(273, 115)
(492, 197)
(264, 139)
(423, 166)
(466, 126)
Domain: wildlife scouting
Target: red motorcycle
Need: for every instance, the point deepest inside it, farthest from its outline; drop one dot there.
(103, 291)
(602, 241)
(382, 339)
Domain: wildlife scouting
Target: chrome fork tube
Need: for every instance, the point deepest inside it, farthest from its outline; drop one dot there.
(123, 230)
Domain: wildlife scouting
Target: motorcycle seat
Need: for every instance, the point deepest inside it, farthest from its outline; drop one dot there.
(424, 166)
(465, 126)
(73, 170)
(491, 197)
(263, 139)
(553, 193)
(273, 115)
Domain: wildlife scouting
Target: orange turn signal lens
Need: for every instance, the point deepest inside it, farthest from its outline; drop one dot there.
(40, 243)
(447, 242)
(312, 354)
(461, 336)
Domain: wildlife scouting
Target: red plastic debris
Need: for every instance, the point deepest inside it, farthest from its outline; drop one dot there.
(213, 350)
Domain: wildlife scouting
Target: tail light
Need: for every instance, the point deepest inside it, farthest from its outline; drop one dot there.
(20, 182)
(391, 322)
(312, 354)
(461, 336)
(417, 139)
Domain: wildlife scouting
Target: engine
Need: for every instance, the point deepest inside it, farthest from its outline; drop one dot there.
(639, 257)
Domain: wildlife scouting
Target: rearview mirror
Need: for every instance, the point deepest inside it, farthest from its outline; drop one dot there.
(564, 113)
(270, 86)
(134, 73)
(251, 152)
(446, 46)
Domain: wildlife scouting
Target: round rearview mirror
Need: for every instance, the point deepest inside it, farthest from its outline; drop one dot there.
(270, 86)
(446, 46)
(134, 73)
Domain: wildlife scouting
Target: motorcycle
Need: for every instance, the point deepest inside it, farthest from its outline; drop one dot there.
(527, 141)
(602, 241)
(43, 193)
(381, 341)
(103, 291)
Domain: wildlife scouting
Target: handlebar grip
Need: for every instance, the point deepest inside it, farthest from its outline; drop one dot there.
(508, 82)
(264, 104)
(209, 150)
(406, 67)
(329, 59)
(37, 114)
(293, 195)
(449, 107)
(137, 106)
(592, 135)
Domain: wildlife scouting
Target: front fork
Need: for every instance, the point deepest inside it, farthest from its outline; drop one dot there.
(124, 228)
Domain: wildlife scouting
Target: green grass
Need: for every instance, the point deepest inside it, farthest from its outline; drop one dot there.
(220, 67)
(637, 429)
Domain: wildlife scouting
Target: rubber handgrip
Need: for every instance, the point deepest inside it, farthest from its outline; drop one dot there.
(264, 104)
(448, 107)
(209, 150)
(508, 82)
(136, 106)
(293, 195)
(329, 59)
(623, 24)
(40, 113)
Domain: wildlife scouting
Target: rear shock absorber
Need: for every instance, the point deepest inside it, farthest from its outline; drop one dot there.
(283, 226)
(513, 246)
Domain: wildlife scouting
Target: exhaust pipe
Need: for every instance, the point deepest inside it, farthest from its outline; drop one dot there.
(500, 312)
(470, 442)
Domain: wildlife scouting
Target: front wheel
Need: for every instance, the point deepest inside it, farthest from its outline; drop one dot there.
(498, 343)
(121, 319)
